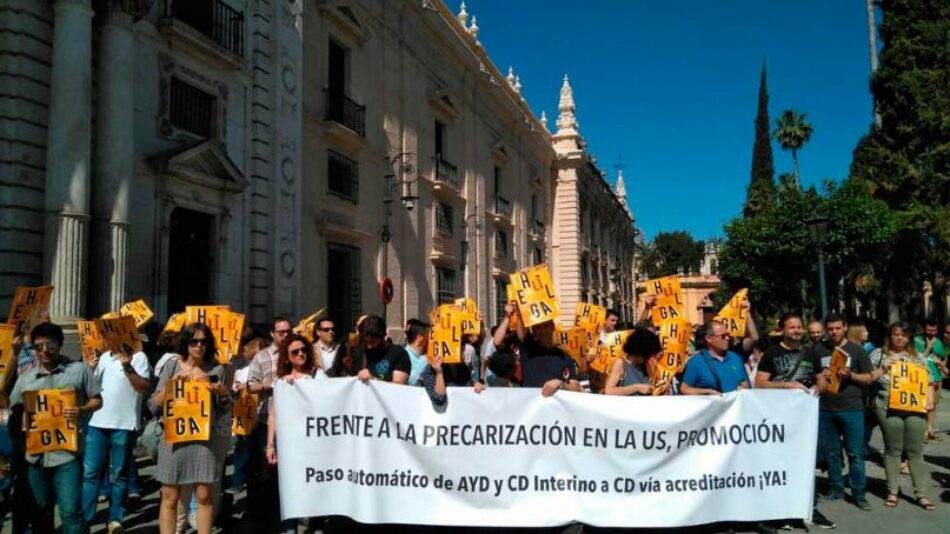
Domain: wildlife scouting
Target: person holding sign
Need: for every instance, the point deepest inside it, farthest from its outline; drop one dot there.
(378, 358)
(628, 376)
(714, 370)
(902, 425)
(57, 471)
(193, 462)
(543, 365)
(841, 415)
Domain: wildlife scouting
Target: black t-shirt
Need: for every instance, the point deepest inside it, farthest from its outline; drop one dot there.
(779, 361)
(850, 396)
(541, 364)
(382, 361)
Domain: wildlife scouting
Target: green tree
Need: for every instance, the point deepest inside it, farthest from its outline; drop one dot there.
(672, 252)
(907, 157)
(792, 131)
(761, 193)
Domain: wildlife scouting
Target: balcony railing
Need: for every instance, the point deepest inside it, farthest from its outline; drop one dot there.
(537, 227)
(343, 176)
(446, 173)
(214, 18)
(346, 111)
(503, 207)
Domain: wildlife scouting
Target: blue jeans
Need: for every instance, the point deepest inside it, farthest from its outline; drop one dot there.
(832, 426)
(66, 481)
(106, 447)
(240, 458)
(105, 488)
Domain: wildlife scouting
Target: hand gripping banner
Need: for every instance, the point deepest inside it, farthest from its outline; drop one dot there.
(509, 457)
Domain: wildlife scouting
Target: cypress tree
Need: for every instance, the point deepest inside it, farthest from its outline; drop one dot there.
(762, 191)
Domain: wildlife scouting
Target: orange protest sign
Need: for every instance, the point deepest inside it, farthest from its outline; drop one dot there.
(224, 324)
(138, 310)
(307, 327)
(534, 293)
(574, 342)
(609, 351)
(909, 385)
(839, 362)
(7, 356)
(90, 340)
(590, 317)
(210, 315)
(187, 411)
(669, 299)
(514, 320)
(119, 334)
(175, 323)
(245, 413)
(662, 377)
(28, 306)
(47, 429)
(445, 337)
(471, 325)
(733, 315)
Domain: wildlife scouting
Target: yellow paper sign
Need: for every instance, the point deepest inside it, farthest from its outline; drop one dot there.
(662, 377)
(674, 337)
(47, 429)
(307, 327)
(471, 325)
(175, 323)
(669, 299)
(575, 342)
(909, 386)
(187, 411)
(7, 356)
(245, 413)
(28, 306)
(590, 317)
(119, 334)
(139, 311)
(839, 362)
(534, 293)
(228, 336)
(733, 315)
(91, 341)
(610, 351)
(514, 320)
(445, 337)
(211, 315)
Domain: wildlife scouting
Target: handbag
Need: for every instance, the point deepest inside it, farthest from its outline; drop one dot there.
(152, 437)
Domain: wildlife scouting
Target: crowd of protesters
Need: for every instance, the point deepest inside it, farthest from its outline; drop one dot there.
(120, 397)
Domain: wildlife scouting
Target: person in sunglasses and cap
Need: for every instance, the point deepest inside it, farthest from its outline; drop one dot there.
(714, 370)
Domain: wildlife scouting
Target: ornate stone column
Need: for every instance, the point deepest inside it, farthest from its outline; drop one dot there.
(115, 152)
(68, 159)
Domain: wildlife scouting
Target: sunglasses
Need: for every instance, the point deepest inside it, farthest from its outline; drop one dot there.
(49, 345)
(283, 332)
(331, 329)
(720, 336)
(197, 342)
(297, 352)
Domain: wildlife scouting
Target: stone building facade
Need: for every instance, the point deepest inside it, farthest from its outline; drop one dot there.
(281, 157)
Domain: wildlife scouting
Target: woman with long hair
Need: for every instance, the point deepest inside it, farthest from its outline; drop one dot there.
(903, 431)
(295, 361)
(194, 462)
(628, 375)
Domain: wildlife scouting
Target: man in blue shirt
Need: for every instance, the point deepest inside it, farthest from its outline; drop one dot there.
(714, 370)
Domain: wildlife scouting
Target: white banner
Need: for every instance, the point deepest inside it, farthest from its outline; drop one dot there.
(380, 453)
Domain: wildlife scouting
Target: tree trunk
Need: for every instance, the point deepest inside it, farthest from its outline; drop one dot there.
(798, 184)
(872, 47)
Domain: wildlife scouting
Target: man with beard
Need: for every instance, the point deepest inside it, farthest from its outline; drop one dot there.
(376, 357)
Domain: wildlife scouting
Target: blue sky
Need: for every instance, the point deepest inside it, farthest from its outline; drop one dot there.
(672, 87)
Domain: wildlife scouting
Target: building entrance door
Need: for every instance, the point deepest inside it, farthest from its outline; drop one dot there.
(190, 259)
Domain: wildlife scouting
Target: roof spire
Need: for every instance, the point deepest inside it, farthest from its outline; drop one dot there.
(566, 121)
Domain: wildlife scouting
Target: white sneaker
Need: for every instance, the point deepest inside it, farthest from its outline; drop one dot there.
(115, 528)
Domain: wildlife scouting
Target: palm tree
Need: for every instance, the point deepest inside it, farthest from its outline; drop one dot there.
(792, 131)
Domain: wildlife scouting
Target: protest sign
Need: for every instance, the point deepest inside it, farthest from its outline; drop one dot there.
(733, 315)
(7, 356)
(187, 411)
(839, 362)
(90, 341)
(663, 375)
(175, 323)
(534, 293)
(445, 337)
(119, 334)
(245, 413)
(471, 325)
(909, 385)
(514, 320)
(605, 461)
(574, 342)
(669, 299)
(609, 350)
(138, 310)
(47, 428)
(28, 306)
(307, 327)
(590, 317)
(228, 336)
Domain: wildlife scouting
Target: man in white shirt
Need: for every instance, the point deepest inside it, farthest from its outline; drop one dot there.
(110, 439)
(327, 344)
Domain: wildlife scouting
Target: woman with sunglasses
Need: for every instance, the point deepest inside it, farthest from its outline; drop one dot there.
(195, 462)
(295, 361)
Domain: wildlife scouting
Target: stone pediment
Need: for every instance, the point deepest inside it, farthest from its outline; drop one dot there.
(444, 102)
(205, 164)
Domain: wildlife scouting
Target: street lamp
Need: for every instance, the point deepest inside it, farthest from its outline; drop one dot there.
(408, 199)
(818, 228)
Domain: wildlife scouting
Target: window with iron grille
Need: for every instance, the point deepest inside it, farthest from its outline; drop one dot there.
(191, 109)
(344, 285)
(501, 244)
(501, 298)
(445, 285)
(444, 219)
(343, 176)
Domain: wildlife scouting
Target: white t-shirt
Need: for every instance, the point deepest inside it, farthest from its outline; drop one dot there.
(121, 404)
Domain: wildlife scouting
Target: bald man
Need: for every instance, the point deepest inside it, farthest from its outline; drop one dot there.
(816, 332)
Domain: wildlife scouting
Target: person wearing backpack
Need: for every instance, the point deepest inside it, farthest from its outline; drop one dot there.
(714, 370)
